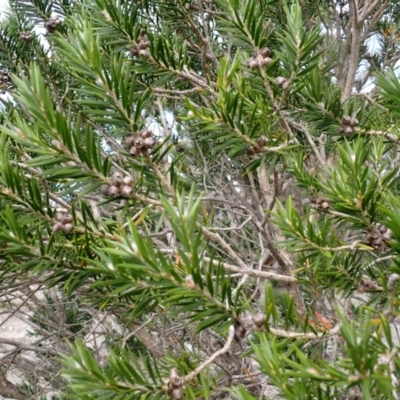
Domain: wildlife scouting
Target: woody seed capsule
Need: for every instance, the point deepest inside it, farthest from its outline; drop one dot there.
(149, 142)
(145, 134)
(265, 51)
(280, 80)
(128, 181)
(130, 140)
(116, 179)
(104, 189)
(262, 141)
(133, 151)
(177, 393)
(57, 227)
(67, 228)
(139, 142)
(68, 218)
(251, 150)
(126, 191)
(266, 61)
(259, 320)
(113, 191)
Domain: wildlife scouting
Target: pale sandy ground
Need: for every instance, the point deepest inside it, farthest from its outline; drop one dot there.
(13, 329)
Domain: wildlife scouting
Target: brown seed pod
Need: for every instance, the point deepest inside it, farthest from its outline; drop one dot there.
(382, 228)
(375, 234)
(175, 380)
(251, 150)
(128, 181)
(130, 140)
(134, 51)
(176, 393)
(240, 332)
(25, 36)
(266, 61)
(262, 141)
(57, 227)
(252, 63)
(104, 189)
(259, 320)
(60, 217)
(116, 179)
(144, 43)
(341, 129)
(68, 218)
(67, 228)
(113, 191)
(325, 205)
(388, 235)
(353, 121)
(145, 133)
(133, 151)
(149, 143)
(126, 191)
(139, 143)
(51, 24)
(280, 80)
(144, 53)
(347, 129)
(346, 120)
(265, 51)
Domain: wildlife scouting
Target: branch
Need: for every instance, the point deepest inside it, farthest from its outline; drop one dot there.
(210, 360)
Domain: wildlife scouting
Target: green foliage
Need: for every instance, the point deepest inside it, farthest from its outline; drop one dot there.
(204, 195)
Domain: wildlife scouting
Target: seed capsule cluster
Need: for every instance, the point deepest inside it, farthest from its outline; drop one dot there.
(261, 142)
(320, 202)
(260, 58)
(140, 144)
(173, 385)
(379, 236)
(52, 24)
(25, 36)
(140, 49)
(64, 221)
(347, 125)
(249, 323)
(4, 76)
(119, 186)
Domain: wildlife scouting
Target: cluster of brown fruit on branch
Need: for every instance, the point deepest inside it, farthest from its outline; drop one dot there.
(347, 125)
(119, 186)
(4, 78)
(25, 36)
(64, 221)
(320, 202)
(51, 24)
(173, 385)
(140, 49)
(367, 285)
(249, 323)
(379, 236)
(140, 144)
(261, 142)
(260, 58)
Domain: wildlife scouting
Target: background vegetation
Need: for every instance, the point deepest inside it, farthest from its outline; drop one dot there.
(200, 199)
